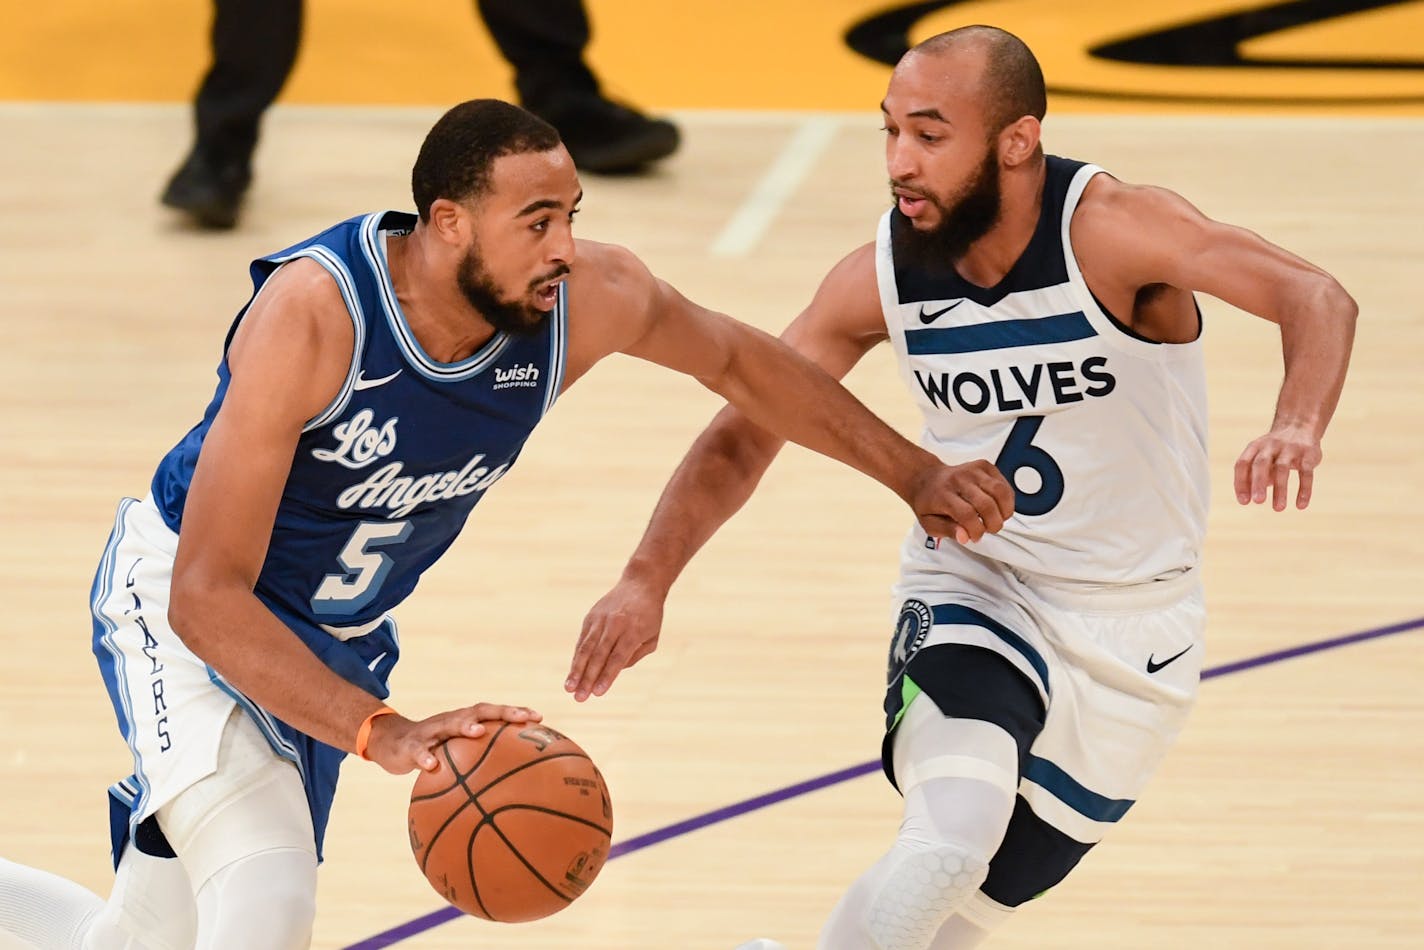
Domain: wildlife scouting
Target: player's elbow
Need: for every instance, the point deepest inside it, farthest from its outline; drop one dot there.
(1342, 303)
(190, 599)
(1326, 295)
(739, 448)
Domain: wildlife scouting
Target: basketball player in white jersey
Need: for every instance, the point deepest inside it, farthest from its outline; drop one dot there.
(384, 375)
(1043, 316)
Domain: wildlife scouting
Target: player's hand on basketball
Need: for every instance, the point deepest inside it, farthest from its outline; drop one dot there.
(963, 501)
(400, 745)
(1267, 463)
(620, 630)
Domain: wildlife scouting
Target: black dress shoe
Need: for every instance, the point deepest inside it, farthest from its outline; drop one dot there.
(607, 137)
(209, 192)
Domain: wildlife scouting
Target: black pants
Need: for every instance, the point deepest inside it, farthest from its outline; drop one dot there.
(255, 45)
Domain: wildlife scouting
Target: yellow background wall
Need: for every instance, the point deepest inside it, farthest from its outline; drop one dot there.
(736, 54)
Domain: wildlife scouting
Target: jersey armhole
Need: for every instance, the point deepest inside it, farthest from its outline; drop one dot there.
(344, 282)
(1117, 334)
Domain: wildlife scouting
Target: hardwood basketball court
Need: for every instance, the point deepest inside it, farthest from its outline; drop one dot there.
(1288, 817)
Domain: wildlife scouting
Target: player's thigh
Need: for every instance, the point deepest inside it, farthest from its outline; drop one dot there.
(1109, 724)
(168, 707)
(253, 802)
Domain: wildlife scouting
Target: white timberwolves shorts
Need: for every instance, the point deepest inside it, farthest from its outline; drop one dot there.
(1115, 673)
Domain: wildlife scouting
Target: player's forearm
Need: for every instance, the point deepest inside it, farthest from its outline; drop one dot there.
(711, 484)
(1317, 332)
(790, 396)
(234, 633)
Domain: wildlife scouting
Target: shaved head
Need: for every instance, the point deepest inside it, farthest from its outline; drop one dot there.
(1010, 83)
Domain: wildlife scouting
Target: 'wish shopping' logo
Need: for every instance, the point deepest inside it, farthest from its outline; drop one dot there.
(526, 375)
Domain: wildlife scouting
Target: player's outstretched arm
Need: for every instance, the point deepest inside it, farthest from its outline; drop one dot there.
(1156, 236)
(288, 360)
(727, 460)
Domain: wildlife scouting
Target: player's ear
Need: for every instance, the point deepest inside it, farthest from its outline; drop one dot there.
(449, 220)
(1018, 142)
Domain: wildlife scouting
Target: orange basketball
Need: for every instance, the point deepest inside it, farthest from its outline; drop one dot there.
(514, 825)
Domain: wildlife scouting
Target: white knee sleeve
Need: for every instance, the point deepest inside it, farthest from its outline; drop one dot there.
(244, 836)
(928, 882)
(265, 900)
(959, 778)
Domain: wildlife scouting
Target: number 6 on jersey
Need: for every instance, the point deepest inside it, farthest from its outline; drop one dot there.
(1020, 452)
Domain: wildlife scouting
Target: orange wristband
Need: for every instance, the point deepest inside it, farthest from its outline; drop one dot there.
(363, 733)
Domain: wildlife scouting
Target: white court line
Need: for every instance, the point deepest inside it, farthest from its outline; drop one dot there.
(783, 177)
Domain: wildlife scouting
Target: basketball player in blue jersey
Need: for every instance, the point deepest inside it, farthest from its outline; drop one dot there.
(384, 375)
(1042, 314)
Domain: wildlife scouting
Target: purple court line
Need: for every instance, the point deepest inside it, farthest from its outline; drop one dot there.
(421, 924)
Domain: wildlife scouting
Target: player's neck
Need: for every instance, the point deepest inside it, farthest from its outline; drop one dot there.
(446, 326)
(990, 258)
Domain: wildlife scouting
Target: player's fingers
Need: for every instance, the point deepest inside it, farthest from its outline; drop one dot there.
(1280, 485)
(986, 506)
(641, 652)
(506, 713)
(588, 686)
(966, 516)
(422, 753)
(937, 527)
(1303, 490)
(1242, 474)
(617, 662)
(988, 479)
(580, 659)
(1260, 476)
(1002, 492)
(460, 722)
(595, 657)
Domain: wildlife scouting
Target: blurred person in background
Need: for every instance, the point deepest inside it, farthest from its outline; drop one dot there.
(255, 45)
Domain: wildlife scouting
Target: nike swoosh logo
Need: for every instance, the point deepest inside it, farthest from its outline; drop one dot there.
(927, 317)
(363, 383)
(1153, 667)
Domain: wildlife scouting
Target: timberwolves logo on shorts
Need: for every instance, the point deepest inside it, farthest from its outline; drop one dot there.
(911, 629)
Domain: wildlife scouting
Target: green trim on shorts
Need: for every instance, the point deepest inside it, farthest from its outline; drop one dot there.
(909, 689)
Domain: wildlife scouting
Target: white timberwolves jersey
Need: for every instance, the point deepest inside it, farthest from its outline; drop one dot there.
(1102, 433)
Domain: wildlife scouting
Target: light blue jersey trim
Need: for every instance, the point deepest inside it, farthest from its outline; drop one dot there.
(334, 266)
(482, 359)
(264, 722)
(137, 797)
(558, 347)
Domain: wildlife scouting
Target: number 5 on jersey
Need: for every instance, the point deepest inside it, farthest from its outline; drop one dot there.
(365, 568)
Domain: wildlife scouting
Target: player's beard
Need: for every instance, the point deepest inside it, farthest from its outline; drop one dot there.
(973, 214)
(515, 317)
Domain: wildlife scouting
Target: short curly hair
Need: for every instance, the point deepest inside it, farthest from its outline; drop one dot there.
(458, 152)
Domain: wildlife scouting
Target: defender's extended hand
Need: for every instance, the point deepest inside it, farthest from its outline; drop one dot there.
(620, 630)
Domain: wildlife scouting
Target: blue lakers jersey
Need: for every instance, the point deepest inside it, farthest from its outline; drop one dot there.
(1101, 432)
(384, 478)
